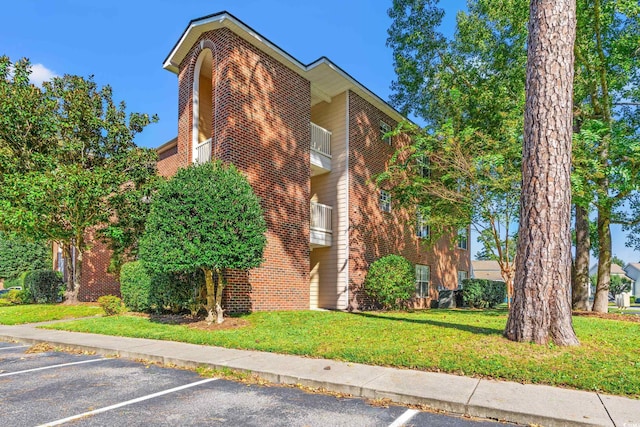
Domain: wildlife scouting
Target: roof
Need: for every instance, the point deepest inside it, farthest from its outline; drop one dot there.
(167, 145)
(489, 270)
(327, 79)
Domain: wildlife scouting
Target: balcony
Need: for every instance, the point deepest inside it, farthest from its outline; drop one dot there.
(321, 230)
(320, 150)
(203, 152)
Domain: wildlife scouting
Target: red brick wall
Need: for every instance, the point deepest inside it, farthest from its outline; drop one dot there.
(168, 161)
(262, 126)
(374, 233)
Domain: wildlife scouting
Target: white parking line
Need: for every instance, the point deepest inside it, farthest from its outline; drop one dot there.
(128, 402)
(15, 346)
(52, 367)
(402, 419)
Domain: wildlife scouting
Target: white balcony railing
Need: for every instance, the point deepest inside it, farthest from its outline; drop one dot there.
(203, 152)
(320, 140)
(321, 217)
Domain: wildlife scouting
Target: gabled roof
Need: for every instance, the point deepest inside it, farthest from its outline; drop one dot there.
(489, 270)
(327, 79)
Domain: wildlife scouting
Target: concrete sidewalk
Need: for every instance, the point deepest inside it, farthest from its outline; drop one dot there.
(513, 402)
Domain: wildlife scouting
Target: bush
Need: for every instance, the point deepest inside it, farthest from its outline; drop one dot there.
(111, 305)
(175, 292)
(390, 281)
(18, 255)
(135, 286)
(482, 293)
(17, 281)
(44, 286)
(15, 296)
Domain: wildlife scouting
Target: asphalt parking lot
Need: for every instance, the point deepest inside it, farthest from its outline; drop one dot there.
(57, 388)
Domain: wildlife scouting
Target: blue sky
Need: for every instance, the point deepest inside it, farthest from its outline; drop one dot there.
(124, 43)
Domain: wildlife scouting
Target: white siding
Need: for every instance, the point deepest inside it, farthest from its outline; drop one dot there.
(329, 265)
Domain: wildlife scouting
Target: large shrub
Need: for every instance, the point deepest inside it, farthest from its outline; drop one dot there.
(135, 286)
(44, 286)
(158, 292)
(482, 293)
(176, 292)
(205, 218)
(390, 281)
(18, 255)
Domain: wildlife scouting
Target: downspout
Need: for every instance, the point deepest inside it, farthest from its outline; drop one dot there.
(348, 253)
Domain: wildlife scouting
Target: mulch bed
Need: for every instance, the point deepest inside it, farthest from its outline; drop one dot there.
(609, 316)
(198, 322)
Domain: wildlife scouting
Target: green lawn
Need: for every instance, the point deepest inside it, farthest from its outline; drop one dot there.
(461, 342)
(19, 314)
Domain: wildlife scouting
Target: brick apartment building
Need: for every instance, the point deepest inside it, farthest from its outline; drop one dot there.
(310, 139)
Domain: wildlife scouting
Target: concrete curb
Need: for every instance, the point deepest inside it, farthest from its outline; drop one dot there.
(505, 401)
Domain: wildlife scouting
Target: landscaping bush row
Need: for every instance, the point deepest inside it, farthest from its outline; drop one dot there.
(144, 292)
(482, 293)
(42, 286)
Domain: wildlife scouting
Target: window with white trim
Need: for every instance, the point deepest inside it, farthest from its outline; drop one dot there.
(462, 275)
(424, 166)
(463, 239)
(422, 228)
(385, 201)
(423, 279)
(384, 132)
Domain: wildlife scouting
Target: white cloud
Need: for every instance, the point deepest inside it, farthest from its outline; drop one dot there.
(40, 73)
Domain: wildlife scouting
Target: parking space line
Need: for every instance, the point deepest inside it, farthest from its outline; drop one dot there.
(52, 367)
(15, 346)
(128, 402)
(402, 419)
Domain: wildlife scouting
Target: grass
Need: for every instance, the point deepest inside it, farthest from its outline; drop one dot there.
(32, 313)
(455, 341)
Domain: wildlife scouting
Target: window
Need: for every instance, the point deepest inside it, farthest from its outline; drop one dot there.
(385, 201)
(462, 275)
(463, 239)
(384, 130)
(422, 228)
(424, 167)
(423, 277)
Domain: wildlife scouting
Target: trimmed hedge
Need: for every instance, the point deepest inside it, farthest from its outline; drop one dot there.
(142, 291)
(135, 286)
(44, 286)
(482, 293)
(390, 281)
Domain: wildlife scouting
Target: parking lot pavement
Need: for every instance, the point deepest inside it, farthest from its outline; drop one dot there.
(56, 388)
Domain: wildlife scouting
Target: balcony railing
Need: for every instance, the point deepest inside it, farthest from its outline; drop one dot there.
(321, 217)
(320, 140)
(203, 152)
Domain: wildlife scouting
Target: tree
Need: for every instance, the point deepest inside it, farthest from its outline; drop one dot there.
(18, 256)
(618, 261)
(470, 91)
(607, 97)
(205, 218)
(541, 308)
(66, 155)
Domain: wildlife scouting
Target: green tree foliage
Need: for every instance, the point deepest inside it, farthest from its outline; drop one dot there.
(135, 286)
(390, 281)
(67, 161)
(470, 91)
(18, 256)
(205, 218)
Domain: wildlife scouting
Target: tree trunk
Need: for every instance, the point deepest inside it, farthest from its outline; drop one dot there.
(581, 283)
(75, 277)
(541, 309)
(507, 272)
(601, 300)
(219, 289)
(211, 294)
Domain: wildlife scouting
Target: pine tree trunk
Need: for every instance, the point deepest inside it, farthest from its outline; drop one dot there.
(541, 309)
(601, 300)
(581, 283)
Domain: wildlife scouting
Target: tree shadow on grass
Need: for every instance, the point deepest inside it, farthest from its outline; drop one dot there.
(461, 327)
